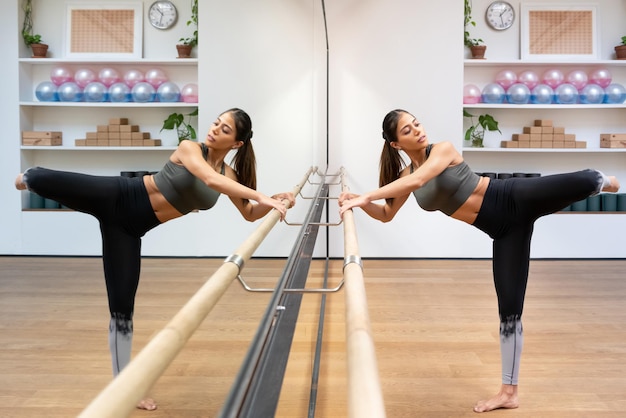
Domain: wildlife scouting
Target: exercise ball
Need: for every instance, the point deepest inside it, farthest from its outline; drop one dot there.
(84, 76)
(601, 76)
(132, 77)
(119, 92)
(614, 93)
(143, 92)
(542, 94)
(168, 92)
(471, 94)
(552, 77)
(506, 78)
(518, 93)
(70, 92)
(46, 91)
(577, 78)
(95, 92)
(591, 94)
(108, 76)
(566, 93)
(493, 93)
(156, 77)
(529, 78)
(189, 93)
(60, 75)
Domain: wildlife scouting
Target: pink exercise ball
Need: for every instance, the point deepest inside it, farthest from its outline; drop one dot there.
(60, 75)
(156, 77)
(602, 77)
(577, 78)
(132, 77)
(84, 76)
(108, 76)
(189, 93)
(553, 78)
(506, 78)
(471, 94)
(529, 78)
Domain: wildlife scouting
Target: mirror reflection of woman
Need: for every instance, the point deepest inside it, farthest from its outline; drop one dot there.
(506, 210)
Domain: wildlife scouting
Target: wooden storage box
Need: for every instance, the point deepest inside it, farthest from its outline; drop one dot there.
(612, 140)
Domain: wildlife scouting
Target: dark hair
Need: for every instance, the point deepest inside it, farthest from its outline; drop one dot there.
(391, 162)
(244, 159)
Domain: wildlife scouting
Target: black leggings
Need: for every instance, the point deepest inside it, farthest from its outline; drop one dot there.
(508, 214)
(122, 206)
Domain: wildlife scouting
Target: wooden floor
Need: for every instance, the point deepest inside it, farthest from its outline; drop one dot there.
(435, 324)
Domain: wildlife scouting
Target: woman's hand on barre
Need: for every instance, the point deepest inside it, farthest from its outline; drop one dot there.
(288, 196)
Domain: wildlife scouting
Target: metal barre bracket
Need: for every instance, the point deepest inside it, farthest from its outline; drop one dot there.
(352, 259)
(236, 259)
(305, 290)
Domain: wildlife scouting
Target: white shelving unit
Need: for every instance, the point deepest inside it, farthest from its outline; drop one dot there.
(75, 119)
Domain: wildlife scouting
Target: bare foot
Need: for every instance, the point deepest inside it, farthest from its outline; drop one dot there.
(613, 187)
(19, 182)
(147, 404)
(506, 399)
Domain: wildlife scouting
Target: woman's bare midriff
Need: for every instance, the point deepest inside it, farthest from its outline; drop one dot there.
(163, 210)
(468, 212)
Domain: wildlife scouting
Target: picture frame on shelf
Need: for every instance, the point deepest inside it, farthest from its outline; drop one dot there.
(107, 30)
(559, 31)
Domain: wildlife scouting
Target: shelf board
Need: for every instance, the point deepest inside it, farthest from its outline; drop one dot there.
(90, 148)
(174, 61)
(546, 150)
(526, 63)
(108, 104)
(542, 106)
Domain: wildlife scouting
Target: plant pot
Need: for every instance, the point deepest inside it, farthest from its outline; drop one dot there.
(184, 51)
(39, 50)
(478, 51)
(620, 52)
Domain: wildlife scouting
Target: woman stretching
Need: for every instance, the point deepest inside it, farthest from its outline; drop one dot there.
(506, 210)
(127, 208)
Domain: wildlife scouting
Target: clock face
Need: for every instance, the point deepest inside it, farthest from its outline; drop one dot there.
(500, 15)
(162, 14)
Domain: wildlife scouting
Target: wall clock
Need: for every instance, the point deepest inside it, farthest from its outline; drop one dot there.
(500, 15)
(162, 14)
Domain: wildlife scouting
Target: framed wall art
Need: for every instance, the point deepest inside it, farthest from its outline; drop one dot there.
(559, 32)
(104, 30)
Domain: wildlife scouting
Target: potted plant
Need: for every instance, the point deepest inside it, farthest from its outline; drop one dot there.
(184, 129)
(476, 45)
(39, 48)
(185, 45)
(476, 132)
(620, 50)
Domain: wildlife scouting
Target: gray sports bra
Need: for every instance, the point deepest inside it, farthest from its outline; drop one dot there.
(449, 190)
(183, 190)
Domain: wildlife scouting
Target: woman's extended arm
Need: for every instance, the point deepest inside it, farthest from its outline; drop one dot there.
(441, 156)
(190, 155)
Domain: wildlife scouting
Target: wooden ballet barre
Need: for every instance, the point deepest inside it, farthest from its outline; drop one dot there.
(123, 393)
(365, 399)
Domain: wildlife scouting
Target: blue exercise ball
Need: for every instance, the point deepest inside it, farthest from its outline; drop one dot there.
(614, 93)
(566, 93)
(493, 93)
(168, 92)
(46, 91)
(119, 92)
(518, 93)
(591, 94)
(95, 92)
(70, 92)
(143, 92)
(542, 94)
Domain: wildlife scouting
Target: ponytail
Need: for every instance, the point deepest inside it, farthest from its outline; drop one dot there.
(391, 162)
(244, 160)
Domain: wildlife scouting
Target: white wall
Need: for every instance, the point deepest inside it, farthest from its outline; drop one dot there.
(269, 58)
